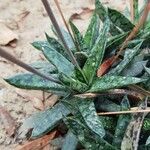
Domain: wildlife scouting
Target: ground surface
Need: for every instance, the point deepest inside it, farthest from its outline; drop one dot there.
(28, 22)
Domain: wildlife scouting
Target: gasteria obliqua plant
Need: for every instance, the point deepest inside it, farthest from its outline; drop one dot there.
(72, 61)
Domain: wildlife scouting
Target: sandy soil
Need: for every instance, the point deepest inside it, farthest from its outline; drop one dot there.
(28, 20)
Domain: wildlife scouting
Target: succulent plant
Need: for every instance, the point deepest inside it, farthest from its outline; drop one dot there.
(73, 61)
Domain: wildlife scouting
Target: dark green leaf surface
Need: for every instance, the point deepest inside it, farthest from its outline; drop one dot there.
(129, 56)
(135, 67)
(73, 84)
(88, 112)
(57, 46)
(122, 123)
(71, 142)
(43, 122)
(92, 32)
(34, 82)
(78, 38)
(111, 82)
(115, 41)
(120, 20)
(97, 54)
(58, 60)
(102, 13)
(86, 138)
(104, 104)
(136, 10)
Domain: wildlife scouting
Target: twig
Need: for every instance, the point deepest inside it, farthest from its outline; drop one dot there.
(18, 62)
(124, 112)
(132, 10)
(111, 92)
(58, 30)
(135, 30)
(64, 20)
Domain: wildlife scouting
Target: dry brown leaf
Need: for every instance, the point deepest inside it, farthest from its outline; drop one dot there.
(7, 35)
(9, 123)
(84, 11)
(38, 143)
(104, 66)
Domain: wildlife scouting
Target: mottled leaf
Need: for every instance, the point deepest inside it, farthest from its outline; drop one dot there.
(120, 20)
(43, 122)
(92, 32)
(147, 70)
(122, 123)
(88, 112)
(57, 46)
(58, 60)
(97, 54)
(136, 10)
(86, 138)
(39, 44)
(104, 104)
(34, 82)
(102, 13)
(70, 142)
(128, 57)
(66, 36)
(80, 44)
(114, 42)
(73, 84)
(110, 82)
(148, 141)
(44, 67)
(131, 137)
(135, 68)
(81, 58)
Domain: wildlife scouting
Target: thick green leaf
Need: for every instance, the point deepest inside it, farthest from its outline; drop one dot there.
(88, 112)
(73, 84)
(86, 138)
(67, 38)
(146, 124)
(111, 82)
(129, 56)
(97, 54)
(122, 123)
(148, 141)
(81, 58)
(120, 20)
(115, 41)
(80, 44)
(34, 82)
(147, 70)
(43, 122)
(102, 13)
(39, 44)
(104, 104)
(136, 9)
(57, 46)
(44, 67)
(71, 142)
(58, 60)
(135, 67)
(92, 32)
